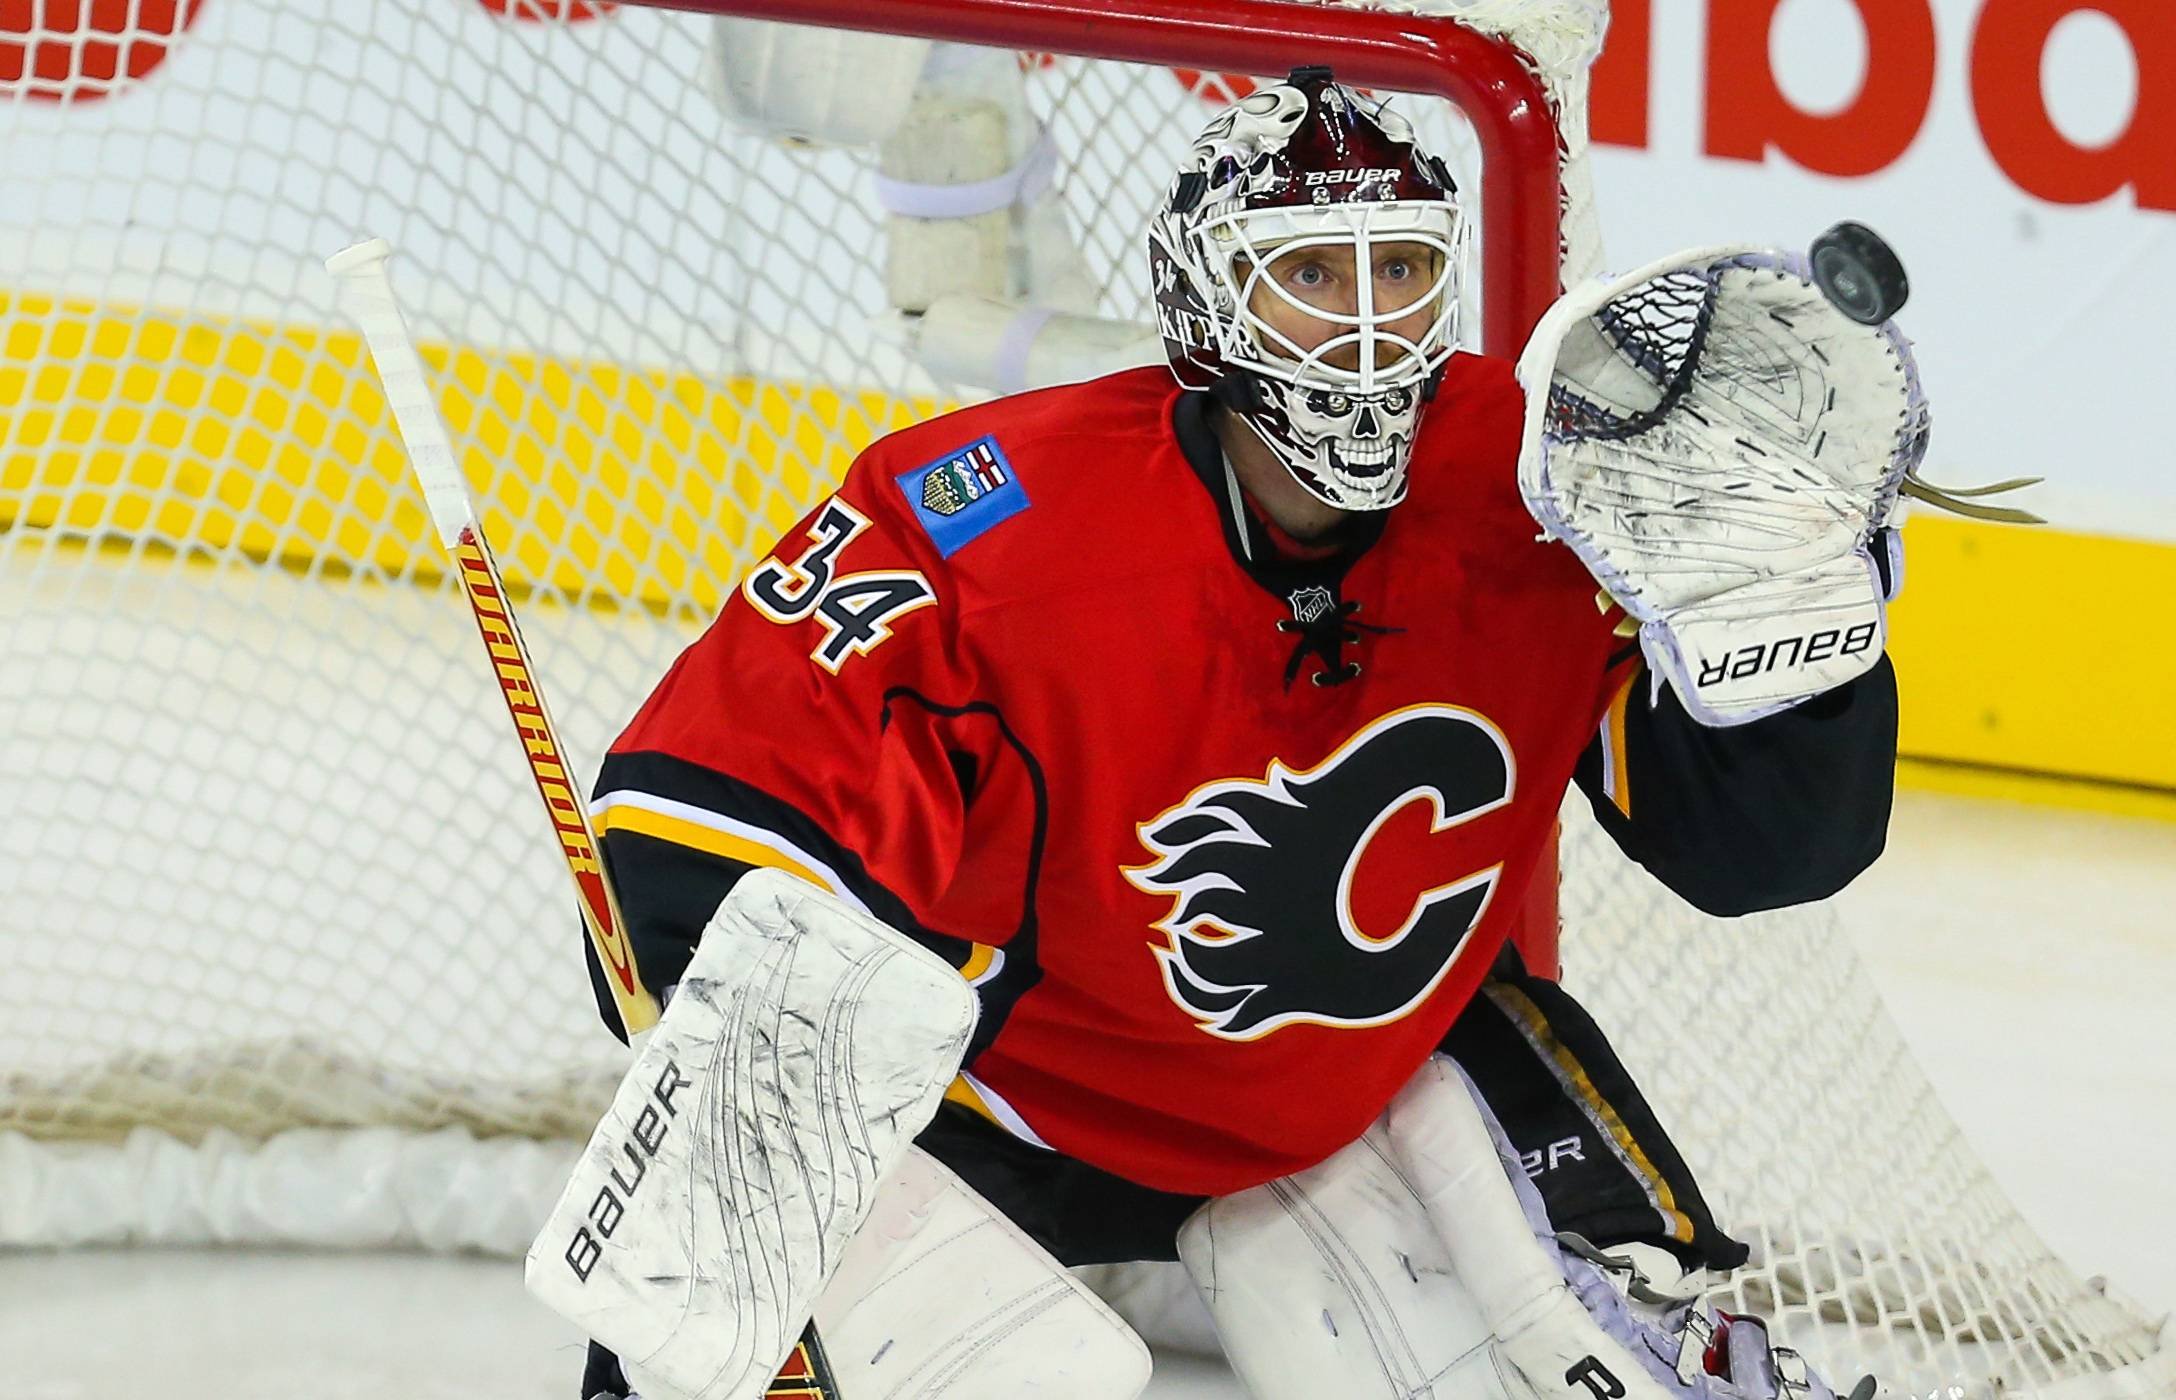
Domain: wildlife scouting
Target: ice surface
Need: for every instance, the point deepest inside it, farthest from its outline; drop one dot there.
(2030, 954)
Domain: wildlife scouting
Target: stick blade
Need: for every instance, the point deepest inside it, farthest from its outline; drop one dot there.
(358, 256)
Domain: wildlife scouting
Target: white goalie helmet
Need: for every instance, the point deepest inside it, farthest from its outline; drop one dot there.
(1307, 178)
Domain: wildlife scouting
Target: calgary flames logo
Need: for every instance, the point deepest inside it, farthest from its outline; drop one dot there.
(1330, 896)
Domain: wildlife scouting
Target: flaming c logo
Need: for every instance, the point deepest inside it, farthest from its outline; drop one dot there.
(1328, 897)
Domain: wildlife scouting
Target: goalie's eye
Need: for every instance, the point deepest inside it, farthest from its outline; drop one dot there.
(1396, 400)
(1339, 403)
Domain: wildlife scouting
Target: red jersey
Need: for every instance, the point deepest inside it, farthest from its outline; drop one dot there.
(1225, 841)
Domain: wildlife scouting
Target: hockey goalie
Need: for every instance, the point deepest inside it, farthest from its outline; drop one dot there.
(1097, 832)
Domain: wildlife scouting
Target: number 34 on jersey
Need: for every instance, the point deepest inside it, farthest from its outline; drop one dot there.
(856, 610)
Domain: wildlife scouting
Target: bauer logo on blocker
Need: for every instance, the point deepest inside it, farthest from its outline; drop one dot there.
(959, 496)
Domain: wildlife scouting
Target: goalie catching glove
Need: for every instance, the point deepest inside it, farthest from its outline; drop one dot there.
(1724, 448)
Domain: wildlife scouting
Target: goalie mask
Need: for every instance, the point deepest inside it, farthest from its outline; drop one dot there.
(1306, 270)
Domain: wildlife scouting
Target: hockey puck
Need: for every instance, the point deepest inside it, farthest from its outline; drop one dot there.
(1860, 274)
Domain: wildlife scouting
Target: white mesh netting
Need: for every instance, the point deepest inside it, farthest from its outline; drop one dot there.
(279, 909)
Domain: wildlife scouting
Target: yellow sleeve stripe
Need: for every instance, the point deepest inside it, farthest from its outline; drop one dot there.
(1573, 1076)
(979, 1098)
(959, 1091)
(1616, 774)
(645, 814)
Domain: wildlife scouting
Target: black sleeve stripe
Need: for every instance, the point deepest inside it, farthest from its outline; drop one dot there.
(685, 804)
(657, 804)
(667, 894)
(625, 811)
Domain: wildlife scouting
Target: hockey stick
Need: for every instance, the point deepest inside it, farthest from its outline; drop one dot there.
(368, 293)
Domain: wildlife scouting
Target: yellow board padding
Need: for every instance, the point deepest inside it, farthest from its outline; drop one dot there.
(2037, 650)
(614, 486)
(2020, 649)
(2036, 789)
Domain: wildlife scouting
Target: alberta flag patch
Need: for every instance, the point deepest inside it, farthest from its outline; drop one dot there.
(957, 497)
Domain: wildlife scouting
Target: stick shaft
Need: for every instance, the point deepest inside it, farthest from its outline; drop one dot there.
(638, 1010)
(369, 295)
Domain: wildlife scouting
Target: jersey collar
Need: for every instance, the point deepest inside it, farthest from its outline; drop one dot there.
(1254, 544)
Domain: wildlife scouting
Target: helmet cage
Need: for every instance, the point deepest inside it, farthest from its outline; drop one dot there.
(1248, 243)
(1344, 432)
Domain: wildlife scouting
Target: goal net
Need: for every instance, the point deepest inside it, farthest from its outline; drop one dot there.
(291, 957)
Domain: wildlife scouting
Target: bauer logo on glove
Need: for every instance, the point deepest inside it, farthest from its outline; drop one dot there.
(1720, 437)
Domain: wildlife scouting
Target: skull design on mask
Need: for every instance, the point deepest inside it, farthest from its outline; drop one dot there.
(1236, 143)
(1351, 442)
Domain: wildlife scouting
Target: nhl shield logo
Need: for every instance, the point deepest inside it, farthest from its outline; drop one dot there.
(1310, 603)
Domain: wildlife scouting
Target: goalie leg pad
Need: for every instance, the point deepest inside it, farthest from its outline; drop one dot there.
(1564, 1327)
(1490, 1220)
(1157, 1299)
(1333, 1282)
(941, 1295)
(806, 1046)
(1419, 1262)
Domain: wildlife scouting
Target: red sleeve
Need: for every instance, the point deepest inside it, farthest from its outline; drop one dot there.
(807, 728)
